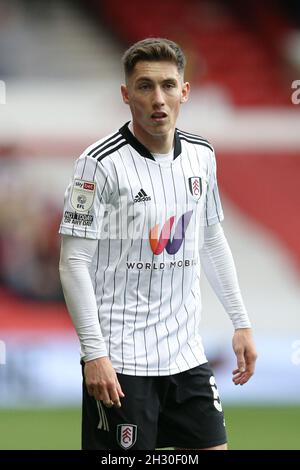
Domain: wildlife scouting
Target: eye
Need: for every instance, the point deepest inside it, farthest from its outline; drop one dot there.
(144, 86)
(170, 85)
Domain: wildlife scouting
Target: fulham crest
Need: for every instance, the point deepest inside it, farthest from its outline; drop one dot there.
(195, 185)
(126, 435)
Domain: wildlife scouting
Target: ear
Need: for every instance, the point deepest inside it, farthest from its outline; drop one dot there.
(185, 92)
(124, 91)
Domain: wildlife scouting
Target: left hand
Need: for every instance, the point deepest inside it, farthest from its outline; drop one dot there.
(245, 351)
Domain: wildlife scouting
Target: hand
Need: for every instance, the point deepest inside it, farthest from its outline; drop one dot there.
(102, 382)
(244, 348)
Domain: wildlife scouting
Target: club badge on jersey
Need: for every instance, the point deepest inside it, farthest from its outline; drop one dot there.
(126, 435)
(83, 194)
(195, 185)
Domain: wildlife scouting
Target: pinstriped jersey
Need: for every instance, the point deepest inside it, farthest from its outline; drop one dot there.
(148, 217)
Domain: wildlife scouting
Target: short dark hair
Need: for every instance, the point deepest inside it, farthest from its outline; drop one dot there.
(153, 49)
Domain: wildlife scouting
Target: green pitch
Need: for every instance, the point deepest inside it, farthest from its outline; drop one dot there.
(40, 429)
(248, 428)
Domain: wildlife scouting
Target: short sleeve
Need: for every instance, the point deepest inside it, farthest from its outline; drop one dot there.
(87, 199)
(213, 212)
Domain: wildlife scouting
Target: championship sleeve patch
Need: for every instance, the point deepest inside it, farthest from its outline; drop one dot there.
(82, 195)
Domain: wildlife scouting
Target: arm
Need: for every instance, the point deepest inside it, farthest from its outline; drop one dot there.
(219, 268)
(100, 377)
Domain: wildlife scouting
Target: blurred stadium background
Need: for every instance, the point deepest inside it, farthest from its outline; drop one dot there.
(60, 75)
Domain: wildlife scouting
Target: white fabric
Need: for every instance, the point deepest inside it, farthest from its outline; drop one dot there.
(164, 157)
(145, 219)
(76, 259)
(218, 265)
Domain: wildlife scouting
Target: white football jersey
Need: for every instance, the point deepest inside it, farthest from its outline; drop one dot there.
(147, 216)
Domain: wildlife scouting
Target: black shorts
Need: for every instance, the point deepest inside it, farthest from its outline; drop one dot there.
(181, 410)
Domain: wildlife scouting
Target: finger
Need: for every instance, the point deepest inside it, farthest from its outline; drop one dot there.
(108, 404)
(114, 395)
(93, 392)
(242, 378)
(106, 398)
(245, 378)
(236, 380)
(241, 382)
(115, 400)
(238, 376)
(97, 395)
(119, 390)
(237, 372)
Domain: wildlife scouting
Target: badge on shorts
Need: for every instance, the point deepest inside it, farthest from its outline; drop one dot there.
(195, 185)
(83, 194)
(126, 435)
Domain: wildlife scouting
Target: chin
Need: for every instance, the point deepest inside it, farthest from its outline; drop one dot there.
(160, 129)
(158, 132)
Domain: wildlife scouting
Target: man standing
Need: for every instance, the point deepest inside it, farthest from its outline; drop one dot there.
(141, 212)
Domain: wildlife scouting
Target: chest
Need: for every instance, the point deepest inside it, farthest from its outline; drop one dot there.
(148, 187)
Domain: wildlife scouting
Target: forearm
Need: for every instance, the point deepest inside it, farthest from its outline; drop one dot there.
(218, 265)
(76, 256)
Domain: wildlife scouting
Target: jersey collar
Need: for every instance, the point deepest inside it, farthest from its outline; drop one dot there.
(141, 149)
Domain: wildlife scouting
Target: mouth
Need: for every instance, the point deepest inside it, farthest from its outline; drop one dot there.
(159, 116)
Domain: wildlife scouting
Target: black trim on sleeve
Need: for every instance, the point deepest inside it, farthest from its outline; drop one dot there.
(110, 139)
(111, 150)
(195, 141)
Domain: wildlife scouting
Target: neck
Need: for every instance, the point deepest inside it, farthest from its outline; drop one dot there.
(154, 143)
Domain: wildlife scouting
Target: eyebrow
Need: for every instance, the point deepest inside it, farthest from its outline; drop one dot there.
(147, 79)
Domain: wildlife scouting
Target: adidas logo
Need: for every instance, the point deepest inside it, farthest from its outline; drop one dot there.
(141, 196)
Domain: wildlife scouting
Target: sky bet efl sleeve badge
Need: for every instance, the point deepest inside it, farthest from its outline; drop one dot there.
(83, 194)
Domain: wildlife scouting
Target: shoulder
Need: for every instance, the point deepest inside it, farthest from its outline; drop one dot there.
(194, 139)
(104, 147)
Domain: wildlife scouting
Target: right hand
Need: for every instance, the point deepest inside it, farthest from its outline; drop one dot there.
(102, 382)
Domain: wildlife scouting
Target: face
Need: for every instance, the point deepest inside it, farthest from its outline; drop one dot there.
(154, 92)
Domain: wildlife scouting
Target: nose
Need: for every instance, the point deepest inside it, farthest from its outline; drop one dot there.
(158, 97)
